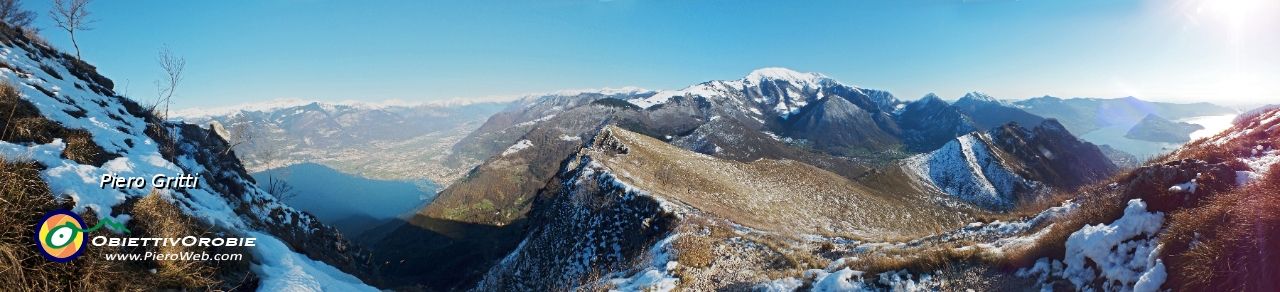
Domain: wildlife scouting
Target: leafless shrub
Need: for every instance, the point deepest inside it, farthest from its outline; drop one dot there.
(11, 12)
(269, 155)
(72, 16)
(241, 132)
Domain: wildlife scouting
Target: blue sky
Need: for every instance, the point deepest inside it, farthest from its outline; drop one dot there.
(1224, 51)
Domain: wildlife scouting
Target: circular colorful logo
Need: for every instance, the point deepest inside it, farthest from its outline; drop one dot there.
(60, 236)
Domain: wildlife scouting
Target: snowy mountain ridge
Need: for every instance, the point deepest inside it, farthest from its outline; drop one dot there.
(972, 169)
(979, 96)
(794, 88)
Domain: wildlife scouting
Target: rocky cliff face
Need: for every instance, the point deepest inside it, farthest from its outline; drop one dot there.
(1053, 156)
(586, 225)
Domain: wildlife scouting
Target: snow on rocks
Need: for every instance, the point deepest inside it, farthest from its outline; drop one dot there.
(1125, 254)
(848, 280)
(649, 280)
(787, 284)
(658, 276)
(1187, 187)
(838, 281)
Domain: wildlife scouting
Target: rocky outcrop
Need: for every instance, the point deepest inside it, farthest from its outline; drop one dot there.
(588, 225)
(1053, 156)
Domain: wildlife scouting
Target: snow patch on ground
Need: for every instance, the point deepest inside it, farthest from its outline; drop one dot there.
(534, 122)
(1259, 163)
(521, 145)
(649, 280)
(285, 270)
(787, 284)
(658, 277)
(1125, 254)
(846, 279)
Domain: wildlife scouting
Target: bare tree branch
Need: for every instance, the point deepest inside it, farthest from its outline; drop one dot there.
(241, 132)
(173, 66)
(268, 155)
(72, 16)
(11, 12)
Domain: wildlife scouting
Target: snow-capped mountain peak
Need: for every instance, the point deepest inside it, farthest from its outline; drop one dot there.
(978, 97)
(811, 80)
(929, 100)
(778, 90)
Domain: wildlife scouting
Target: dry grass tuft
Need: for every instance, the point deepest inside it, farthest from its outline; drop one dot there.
(1236, 239)
(158, 217)
(787, 256)
(1098, 203)
(694, 250)
(924, 260)
(25, 198)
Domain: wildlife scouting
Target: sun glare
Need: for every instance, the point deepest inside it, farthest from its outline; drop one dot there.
(1236, 13)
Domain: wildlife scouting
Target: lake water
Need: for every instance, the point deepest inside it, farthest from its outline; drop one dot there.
(1114, 136)
(351, 202)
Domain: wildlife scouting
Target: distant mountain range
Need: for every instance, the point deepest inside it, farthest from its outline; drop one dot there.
(505, 164)
(774, 126)
(392, 141)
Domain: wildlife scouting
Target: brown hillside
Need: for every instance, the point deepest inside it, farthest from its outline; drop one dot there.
(773, 195)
